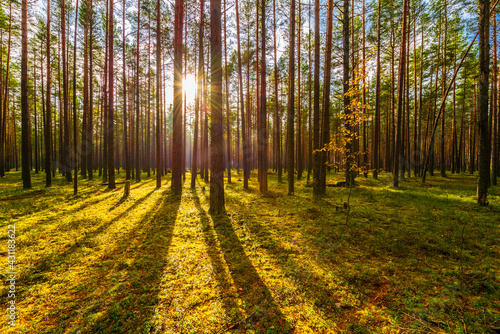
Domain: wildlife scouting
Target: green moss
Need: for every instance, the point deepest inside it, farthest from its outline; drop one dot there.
(421, 258)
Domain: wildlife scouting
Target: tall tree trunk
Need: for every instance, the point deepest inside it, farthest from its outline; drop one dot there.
(300, 158)
(3, 136)
(177, 116)
(90, 143)
(25, 113)
(85, 114)
(248, 117)
(216, 126)
(158, 96)
(75, 138)
(445, 42)
(494, 105)
(5, 97)
(42, 155)
(291, 100)
(105, 103)
(376, 130)
(228, 145)
(392, 124)
(111, 126)
(35, 116)
(184, 133)
(256, 148)
(310, 144)
(415, 95)
(316, 131)
(244, 136)
(277, 118)
(237, 153)
(484, 138)
(454, 145)
(199, 93)
(148, 163)
(59, 90)
(48, 116)
(401, 79)
(137, 97)
(263, 137)
(65, 163)
(125, 116)
(461, 140)
(433, 119)
(406, 143)
(365, 139)
(15, 141)
(420, 105)
(205, 139)
(321, 184)
(349, 157)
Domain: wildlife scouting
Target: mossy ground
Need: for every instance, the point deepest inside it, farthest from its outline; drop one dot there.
(413, 259)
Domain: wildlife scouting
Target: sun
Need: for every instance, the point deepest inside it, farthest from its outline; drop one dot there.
(189, 88)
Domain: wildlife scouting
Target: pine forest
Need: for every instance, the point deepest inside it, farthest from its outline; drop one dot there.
(250, 166)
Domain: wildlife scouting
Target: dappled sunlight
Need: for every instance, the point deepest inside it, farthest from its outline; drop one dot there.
(312, 296)
(188, 294)
(90, 263)
(159, 263)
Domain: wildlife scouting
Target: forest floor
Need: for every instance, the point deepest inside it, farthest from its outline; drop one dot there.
(420, 258)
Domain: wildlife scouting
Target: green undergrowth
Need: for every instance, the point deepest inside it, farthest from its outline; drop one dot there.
(371, 259)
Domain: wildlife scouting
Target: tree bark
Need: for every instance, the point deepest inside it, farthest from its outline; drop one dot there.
(65, 163)
(5, 97)
(484, 138)
(177, 116)
(494, 106)
(137, 97)
(365, 142)
(376, 130)
(310, 144)
(85, 114)
(262, 136)
(349, 116)
(25, 113)
(216, 126)
(300, 158)
(158, 97)
(110, 128)
(244, 136)
(445, 42)
(194, 167)
(316, 131)
(125, 115)
(277, 118)
(321, 184)
(35, 116)
(75, 138)
(228, 128)
(401, 79)
(90, 143)
(48, 116)
(291, 101)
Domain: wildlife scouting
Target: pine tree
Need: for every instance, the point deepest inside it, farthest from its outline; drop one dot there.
(484, 138)
(25, 113)
(177, 116)
(216, 124)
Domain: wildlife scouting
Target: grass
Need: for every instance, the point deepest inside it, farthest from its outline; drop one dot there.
(413, 259)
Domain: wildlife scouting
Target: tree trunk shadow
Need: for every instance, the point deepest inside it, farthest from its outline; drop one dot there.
(261, 311)
(135, 296)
